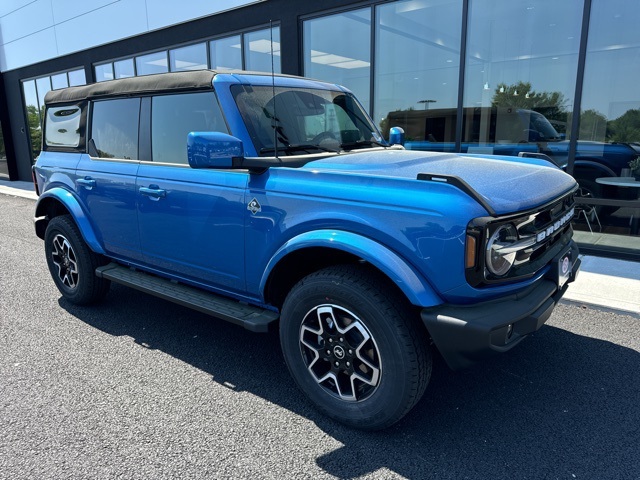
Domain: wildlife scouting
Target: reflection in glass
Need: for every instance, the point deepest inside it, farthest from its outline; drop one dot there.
(77, 77)
(104, 72)
(192, 57)
(124, 68)
(33, 117)
(609, 133)
(337, 48)
(152, 63)
(43, 85)
(417, 68)
(59, 81)
(305, 120)
(520, 60)
(258, 48)
(114, 128)
(63, 126)
(174, 116)
(226, 53)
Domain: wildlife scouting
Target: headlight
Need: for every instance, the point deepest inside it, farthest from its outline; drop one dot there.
(500, 254)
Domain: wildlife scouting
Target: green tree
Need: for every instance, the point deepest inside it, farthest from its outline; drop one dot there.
(593, 126)
(626, 128)
(35, 130)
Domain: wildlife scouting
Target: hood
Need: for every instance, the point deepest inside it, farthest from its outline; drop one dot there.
(508, 184)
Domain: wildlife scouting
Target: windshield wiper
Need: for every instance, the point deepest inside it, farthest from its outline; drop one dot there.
(361, 143)
(296, 148)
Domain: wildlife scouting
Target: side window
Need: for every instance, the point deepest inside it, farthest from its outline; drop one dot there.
(174, 116)
(63, 126)
(114, 128)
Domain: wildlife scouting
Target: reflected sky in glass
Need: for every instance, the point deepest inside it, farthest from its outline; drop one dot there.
(258, 48)
(226, 53)
(337, 49)
(192, 57)
(152, 63)
(417, 56)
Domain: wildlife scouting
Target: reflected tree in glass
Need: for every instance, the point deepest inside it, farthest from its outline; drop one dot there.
(35, 132)
(552, 105)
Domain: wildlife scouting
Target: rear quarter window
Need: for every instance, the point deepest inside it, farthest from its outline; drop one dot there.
(63, 126)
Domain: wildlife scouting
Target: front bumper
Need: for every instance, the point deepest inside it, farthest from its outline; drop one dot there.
(466, 334)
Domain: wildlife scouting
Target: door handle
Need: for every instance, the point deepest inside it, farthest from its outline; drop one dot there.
(153, 191)
(87, 182)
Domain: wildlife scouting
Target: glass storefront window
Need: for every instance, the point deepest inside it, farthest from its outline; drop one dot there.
(608, 144)
(520, 76)
(337, 48)
(33, 116)
(124, 68)
(226, 53)
(59, 81)
(192, 57)
(77, 77)
(152, 63)
(258, 49)
(416, 71)
(104, 72)
(43, 85)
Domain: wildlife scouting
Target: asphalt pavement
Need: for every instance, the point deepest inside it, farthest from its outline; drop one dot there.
(137, 387)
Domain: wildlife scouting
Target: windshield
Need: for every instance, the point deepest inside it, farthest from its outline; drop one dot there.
(303, 120)
(540, 123)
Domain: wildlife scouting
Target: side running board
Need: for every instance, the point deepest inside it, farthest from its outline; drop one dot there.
(252, 318)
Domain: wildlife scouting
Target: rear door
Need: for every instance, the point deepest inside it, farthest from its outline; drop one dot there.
(106, 177)
(191, 220)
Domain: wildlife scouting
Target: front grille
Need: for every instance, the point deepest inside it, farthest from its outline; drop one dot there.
(545, 231)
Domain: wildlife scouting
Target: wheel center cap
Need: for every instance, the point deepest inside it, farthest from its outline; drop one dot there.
(338, 352)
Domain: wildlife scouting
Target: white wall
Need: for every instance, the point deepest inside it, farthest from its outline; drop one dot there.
(32, 31)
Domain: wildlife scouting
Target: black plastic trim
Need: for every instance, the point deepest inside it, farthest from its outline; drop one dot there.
(465, 334)
(461, 185)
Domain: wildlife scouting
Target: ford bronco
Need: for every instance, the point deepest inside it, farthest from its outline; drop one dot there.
(273, 200)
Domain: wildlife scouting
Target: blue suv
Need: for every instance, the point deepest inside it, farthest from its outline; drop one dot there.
(274, 201)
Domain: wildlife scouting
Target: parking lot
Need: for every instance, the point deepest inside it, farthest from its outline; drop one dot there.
(140, 388)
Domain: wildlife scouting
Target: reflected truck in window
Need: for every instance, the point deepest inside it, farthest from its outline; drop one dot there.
(510, 131)
(274, 202)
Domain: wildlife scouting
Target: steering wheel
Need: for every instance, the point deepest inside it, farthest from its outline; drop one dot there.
(323, 136)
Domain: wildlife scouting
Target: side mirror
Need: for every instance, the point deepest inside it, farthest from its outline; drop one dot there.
(396, 136)
(214, 150)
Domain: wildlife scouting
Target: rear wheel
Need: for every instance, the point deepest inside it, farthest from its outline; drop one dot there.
(72, 263)
(353, 347)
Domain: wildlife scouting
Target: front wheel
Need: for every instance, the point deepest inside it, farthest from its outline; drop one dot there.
(353, 348)
(72, 263)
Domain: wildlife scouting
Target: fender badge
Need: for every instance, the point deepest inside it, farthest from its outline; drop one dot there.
(254, 207)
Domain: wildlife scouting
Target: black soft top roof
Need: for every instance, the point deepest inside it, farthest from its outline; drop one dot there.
(193, 80)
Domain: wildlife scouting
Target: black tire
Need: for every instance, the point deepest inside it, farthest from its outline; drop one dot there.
(72, 263)
(354, 347)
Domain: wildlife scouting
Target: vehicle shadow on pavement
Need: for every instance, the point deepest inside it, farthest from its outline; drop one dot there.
(561, 405)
